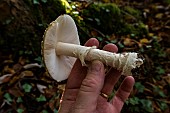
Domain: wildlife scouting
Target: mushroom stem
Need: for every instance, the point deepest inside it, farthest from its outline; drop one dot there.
(124, 62)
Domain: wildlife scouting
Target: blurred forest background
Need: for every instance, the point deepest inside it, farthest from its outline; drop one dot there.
(133, 25)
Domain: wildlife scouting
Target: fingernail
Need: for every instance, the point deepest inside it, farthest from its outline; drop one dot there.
(96, 66)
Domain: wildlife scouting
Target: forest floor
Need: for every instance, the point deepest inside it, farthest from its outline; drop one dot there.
(26, 87)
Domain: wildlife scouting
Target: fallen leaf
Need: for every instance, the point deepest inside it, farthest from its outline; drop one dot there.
(41, 88)
(27, 74)
(112, 37)
(8, 61)
(151, 34)
(144, 41)
(15, 91)
(22, 60)
(128, 42)
(159, 15)
(94, 33)
(167, 78)
(5, 78)
(33, 65)
(17, 67)
(7, 69)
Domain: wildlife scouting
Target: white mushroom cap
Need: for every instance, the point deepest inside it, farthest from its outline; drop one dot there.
(63, 29)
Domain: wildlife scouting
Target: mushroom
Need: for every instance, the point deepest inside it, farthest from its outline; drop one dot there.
(61, 47)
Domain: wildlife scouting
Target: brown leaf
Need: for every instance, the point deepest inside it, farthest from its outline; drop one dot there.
(49, 92)
(7, 69)
(159, 15)
(5, 78)
(15, 91)
(22, 61)
(8, 61)
(128, 42)
(4, 11)
(62, 87)
(112, 37)
(94, 33)
(17, 67)
(146, 10)
(27, 74)
(167, 78)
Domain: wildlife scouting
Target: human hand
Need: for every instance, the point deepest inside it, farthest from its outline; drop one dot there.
(85, 84)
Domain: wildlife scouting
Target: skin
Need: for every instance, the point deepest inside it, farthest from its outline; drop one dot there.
(84, 85)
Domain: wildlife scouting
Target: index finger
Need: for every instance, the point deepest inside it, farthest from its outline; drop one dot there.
(79, 72)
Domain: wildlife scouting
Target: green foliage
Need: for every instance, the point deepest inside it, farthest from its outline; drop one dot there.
(55, 111)
(160, 70)
(108, 18)
(163, 106)
(167, 1)
(136, 104)
(133, 101)
(109, 23)
(133, 13)
(158, 92)
(139, 87)
(147, 105)
(138, 29)
(20, 34)
(27, 87)
(36, 2)
(97, 14)
(44, 111)
(41, 98)
(19, 110)
(8, 97)
(157, 49)
(19, 100)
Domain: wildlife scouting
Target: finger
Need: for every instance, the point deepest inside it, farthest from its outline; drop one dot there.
(91, 87)
(123, 93)
(92, 42)
(113, 75)
(110, 80)
(77, 75)
(111, 48)
(79, 72)
(74, 81)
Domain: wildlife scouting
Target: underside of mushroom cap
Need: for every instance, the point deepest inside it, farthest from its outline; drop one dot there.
(63, 29)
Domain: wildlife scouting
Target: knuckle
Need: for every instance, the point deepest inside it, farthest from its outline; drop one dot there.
(90, 84)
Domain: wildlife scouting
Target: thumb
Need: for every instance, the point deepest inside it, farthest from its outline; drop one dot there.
(91, 87)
